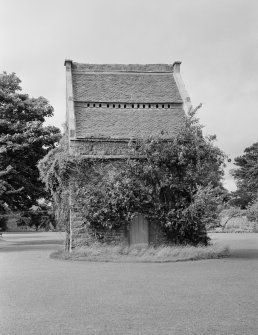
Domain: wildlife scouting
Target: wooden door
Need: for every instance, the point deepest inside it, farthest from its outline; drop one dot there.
(139, 230)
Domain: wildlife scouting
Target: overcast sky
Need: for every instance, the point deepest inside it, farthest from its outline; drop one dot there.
(217, 42)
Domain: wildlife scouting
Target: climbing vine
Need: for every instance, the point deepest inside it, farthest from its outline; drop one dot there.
(176, 183)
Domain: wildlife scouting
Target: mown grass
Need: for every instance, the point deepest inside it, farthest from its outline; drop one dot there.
(142, 253)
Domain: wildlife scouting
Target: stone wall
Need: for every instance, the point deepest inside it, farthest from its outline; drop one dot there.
(81, 236)
(99, 147)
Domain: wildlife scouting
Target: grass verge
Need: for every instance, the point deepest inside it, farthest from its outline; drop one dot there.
(237, 225)
(140, 253)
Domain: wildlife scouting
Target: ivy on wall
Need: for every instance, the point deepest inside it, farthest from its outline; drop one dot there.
(174, 183)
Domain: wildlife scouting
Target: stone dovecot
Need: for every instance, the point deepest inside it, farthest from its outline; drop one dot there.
(109, 104)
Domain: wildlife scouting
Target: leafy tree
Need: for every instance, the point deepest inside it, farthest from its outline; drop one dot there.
(38, 217)
(246, 175)
(252, 211)
(56, 169)
(23, 142)
(229, 213)
(6, 190)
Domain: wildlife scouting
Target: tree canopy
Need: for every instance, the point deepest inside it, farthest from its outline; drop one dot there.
(24, 140)
(246, 176)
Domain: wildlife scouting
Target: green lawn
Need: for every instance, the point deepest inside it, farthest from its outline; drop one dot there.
(45, 296)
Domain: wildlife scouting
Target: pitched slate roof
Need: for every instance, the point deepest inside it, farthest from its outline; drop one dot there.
(152, 83)
(117, 101)
(126, 123)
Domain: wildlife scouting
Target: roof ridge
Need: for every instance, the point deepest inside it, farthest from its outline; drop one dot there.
(141, 68)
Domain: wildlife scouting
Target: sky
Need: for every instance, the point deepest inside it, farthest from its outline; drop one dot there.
(216, 41)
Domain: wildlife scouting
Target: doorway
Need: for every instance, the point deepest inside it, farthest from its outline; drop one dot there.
(139, 230)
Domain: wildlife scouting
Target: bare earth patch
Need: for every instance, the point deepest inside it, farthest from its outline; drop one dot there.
(141, 253)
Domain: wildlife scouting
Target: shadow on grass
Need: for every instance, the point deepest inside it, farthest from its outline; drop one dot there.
(244, 254)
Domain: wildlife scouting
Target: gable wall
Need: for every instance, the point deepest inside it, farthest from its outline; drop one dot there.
(102, 131)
